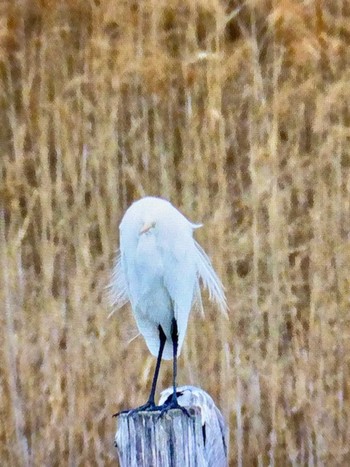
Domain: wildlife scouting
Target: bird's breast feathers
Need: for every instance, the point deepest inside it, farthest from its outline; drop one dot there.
(156, 266)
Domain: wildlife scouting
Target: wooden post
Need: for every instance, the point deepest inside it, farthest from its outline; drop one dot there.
(144, 439)
(176, 440)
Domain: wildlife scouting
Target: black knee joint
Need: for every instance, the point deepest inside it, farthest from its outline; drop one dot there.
(174, 331)
(162, 335)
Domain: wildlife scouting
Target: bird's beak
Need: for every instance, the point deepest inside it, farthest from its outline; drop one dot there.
(146, 227)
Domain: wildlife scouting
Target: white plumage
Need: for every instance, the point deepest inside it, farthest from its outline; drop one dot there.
(158, 270)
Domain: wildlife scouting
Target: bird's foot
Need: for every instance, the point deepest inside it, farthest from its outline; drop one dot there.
(148, 407)
(172, 404)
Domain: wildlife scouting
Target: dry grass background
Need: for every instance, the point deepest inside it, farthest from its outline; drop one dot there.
(239, 113)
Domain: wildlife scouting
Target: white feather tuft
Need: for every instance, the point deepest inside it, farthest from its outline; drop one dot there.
(210, 279)
(118, 289)
(197, 299)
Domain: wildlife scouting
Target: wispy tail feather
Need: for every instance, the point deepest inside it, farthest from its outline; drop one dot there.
(210, 279)
(118, 290)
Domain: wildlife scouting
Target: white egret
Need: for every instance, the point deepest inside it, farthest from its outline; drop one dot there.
(157, 270)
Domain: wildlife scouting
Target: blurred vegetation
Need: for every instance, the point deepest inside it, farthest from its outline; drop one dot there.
(238, 112)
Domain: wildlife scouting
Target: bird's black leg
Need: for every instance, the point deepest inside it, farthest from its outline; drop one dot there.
(172, 403)
(150, 404)
(175, 340)
(162, 339)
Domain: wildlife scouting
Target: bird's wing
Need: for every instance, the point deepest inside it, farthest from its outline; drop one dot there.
(180, 281)
(118, 289)
(210, 279)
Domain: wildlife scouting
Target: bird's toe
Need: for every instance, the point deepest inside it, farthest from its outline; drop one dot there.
(150, 406)
(172, 405)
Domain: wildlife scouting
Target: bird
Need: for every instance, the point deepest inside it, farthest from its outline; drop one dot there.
(214, 428)
(158, 270)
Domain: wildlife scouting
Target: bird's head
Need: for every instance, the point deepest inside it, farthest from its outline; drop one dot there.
(155, 216)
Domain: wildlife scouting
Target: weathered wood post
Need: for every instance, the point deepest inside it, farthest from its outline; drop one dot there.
(172, 440)
(146, 440)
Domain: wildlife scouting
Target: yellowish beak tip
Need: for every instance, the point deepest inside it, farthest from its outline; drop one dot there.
(146, 227)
